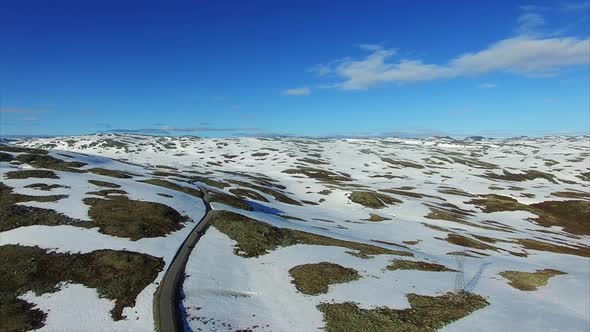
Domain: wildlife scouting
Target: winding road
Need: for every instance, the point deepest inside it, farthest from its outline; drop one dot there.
(166, 309)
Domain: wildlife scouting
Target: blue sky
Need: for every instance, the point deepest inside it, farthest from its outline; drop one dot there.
(320, 68)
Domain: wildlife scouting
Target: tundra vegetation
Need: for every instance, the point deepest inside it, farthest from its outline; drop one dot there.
(255, 238)
(14, 216)
(116, 275)
(124, 217)
(401, 264)
(49, 162)
(31, 173)
(426, 314)
(530, 281)
(314, 279)
(372, 199)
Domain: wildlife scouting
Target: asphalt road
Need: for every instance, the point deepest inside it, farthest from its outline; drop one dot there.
(168, 292)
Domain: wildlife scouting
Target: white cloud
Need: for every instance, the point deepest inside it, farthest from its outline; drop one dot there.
(529, 53)
(321, 70)
(487, 86)
(370, 47)
(576, 6)
(304, 91)
(20, 111)
(533, 8)
(30, 119)
(529, 23)
(525, 56)
(521, 55)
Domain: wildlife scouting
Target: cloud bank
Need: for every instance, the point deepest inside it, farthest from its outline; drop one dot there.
(304, 91)
(529, 53)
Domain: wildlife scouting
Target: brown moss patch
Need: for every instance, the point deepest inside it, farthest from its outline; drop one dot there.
(210, 182)
(455, 191)
(288, 217)
(314, 279)
(279, 196)
(464, 253)
(427, 314)
(44, 186)
(31, 173)
(241, 192)
(376, 218)
(313, 161)
(255, 238)
(573, 216)
(18, 149)
(13, 216)
(407, 193)
(530, 281)
(372, 199)
(412, 242)
(572, 194)
(228, 199)
(174, 186)
(104, 184)
(463, 241)
(107, 192)
(319, 174)
(527, 175)
(110, 173)
(402, 264)
(473, 163)
(116, 275)
(441, 214)
(532, 244)
(456, 215)
(585, 176)
(401, 163)
(49, 162)
(122, 217)
(6, 157)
